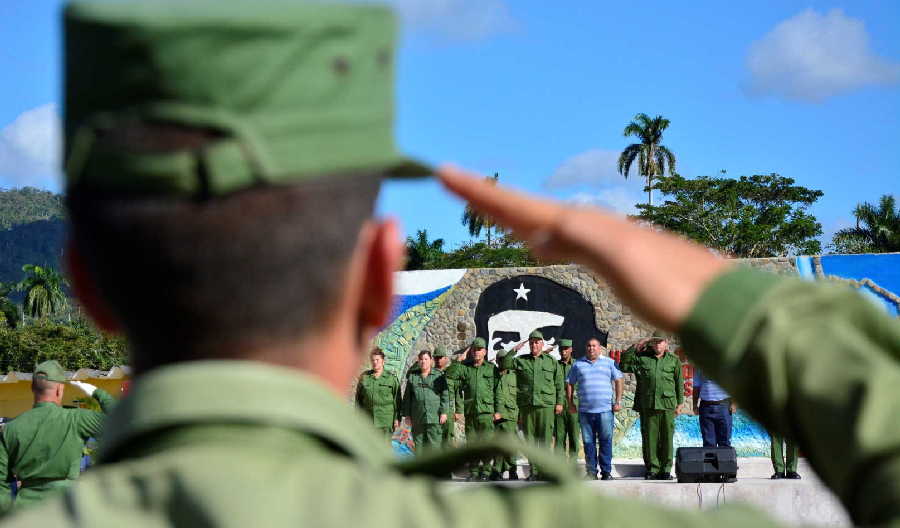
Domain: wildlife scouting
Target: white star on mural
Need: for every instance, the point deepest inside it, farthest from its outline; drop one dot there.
(521, 292)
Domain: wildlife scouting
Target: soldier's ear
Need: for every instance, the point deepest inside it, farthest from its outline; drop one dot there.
(85, 289)
(385, 255)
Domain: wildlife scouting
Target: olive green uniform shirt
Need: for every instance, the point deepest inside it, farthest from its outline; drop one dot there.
(660, 384)
(379, 397)
(476, 385)
(506, 397)
(539, 380)
(426, 398)
(43, 446)
(225, 443)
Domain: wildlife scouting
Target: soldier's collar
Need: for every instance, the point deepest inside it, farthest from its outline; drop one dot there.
(239, 392)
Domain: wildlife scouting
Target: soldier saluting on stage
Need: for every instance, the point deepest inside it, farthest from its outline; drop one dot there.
(658, 395)
(540, 390)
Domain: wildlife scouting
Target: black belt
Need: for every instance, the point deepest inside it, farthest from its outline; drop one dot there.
(726, 401)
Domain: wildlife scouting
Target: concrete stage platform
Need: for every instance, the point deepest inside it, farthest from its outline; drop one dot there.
(793, 502)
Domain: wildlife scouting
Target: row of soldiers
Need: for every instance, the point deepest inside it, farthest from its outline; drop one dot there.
(530, 390)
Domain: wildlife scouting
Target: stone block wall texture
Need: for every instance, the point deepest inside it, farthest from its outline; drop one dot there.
(452, 307)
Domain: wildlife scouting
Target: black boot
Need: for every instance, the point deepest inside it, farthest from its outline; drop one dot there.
(513, 475)
(777, 475)
(792, 475)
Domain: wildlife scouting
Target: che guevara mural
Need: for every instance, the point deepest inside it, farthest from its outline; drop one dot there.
(510, 309)
(452, 307)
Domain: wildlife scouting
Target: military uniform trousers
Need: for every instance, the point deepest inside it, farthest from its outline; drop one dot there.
(785, 454)
(508, 462)
(657, 432)
(480, 426)
(448, 431)
(568, 434)
(537, 425)
(427, 437)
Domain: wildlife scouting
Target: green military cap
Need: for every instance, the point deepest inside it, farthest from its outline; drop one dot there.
(439, 352)
(293, 91)
(51, 370)
(536, 335)
(479, 342)
(659, 334)
(565, 343)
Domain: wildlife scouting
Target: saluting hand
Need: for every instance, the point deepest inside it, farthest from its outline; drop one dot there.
(86, 388)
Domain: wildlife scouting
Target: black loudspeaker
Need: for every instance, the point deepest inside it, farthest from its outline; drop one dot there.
(705, 464)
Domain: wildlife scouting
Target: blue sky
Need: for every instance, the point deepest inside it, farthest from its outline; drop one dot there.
(810, 90)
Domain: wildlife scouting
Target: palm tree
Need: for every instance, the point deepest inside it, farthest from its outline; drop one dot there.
(653, 157)
(877, 229)
(8, 309)
(43, 287)
(420, 252)
(476, 222)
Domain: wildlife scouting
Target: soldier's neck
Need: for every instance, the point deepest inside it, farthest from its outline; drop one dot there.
(425, 373)
(480, 362)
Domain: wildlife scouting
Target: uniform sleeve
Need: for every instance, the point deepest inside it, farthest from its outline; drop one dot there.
(5, 476)
(90, 423)
(406, 402)
(441, 386)
(815, 362)
(359, 392)
(397, 401)
(628, 363)
(509, 362)
(679, 382)
(572, 377)
(560, 385)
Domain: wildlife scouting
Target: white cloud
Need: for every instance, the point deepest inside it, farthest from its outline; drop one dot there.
(595, 167)
(813, 56)
(30, 149)
(620, 199)
(455, 19)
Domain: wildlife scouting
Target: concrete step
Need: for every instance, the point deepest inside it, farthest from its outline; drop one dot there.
(793, 502)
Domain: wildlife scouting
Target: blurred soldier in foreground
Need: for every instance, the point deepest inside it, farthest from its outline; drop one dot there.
(657, 397)
(567, 430)
(228, 154)
(378, 394)
(42, 447)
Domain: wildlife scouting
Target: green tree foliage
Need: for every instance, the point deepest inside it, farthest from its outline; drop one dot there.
(481, 255)
(477, 222)
(43, 288)
(877, 229)
(75, 345)
(652, 156)
(21, 206)
(754, 216)
(421, 253)
(9, 311)
(39, 242)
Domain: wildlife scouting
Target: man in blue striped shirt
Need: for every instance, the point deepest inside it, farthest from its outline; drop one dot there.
(595, 377)
(716, 410)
